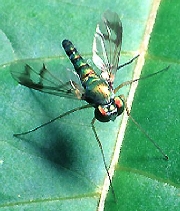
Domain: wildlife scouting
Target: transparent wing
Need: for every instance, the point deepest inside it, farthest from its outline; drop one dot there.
(45, 81)
(107, 45)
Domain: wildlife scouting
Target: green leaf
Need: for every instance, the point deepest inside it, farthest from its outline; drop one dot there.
(60, 167)
(143, 180)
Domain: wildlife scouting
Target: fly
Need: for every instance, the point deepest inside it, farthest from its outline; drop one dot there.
(96, 88)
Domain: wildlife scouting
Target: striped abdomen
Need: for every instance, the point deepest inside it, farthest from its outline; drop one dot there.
(82, 68)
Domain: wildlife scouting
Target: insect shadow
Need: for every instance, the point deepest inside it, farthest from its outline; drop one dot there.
(52, 143)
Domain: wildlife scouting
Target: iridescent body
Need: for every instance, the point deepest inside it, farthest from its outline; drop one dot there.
(98, 91)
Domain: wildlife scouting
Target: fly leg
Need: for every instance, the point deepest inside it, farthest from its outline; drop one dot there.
(129, 62)
(103, 156)
(141, 78)
(142, 130)
(52, 120)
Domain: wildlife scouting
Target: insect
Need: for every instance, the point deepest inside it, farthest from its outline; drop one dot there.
(96, 88)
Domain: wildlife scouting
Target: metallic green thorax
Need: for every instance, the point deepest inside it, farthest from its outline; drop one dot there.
(97, 90)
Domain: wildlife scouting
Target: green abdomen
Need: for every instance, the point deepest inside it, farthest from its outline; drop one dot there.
(81, 66)
(96, 89)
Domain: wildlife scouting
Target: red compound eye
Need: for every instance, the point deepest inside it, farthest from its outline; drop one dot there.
(109, 112)
(119, 103)
(102, 111)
